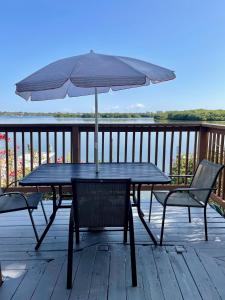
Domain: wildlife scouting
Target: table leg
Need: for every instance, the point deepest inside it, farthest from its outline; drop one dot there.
(141, 216)
(51, 219)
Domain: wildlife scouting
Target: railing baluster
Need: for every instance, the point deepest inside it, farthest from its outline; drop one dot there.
(125, 147)
(47, 146)
(209, 145)
(164, 151)
(39, 148)
(141, 145)
(179, 154)
(103, 146)
(217, 147)
(55, 146)
(171, 151)
(195, 150)
(222, 154)
(63, 147)
(213, 147)
(149, 146)
(15, 156)
(156, 146)
(7, 157)
(23, 154)
(31, 151)
(133, 147)
(110, 146)
(118, 146)
(187, 155)
(87, 146)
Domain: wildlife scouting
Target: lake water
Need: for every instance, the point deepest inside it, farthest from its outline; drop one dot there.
(53, 120)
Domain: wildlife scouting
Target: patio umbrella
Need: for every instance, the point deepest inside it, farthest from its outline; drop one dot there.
(90, 74)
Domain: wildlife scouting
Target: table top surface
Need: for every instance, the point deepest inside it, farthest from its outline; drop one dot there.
(61, 174)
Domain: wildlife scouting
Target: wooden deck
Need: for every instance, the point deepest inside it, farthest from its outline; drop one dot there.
(186, 267)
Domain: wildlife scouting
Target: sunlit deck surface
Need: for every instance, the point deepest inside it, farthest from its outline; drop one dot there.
(186, 267)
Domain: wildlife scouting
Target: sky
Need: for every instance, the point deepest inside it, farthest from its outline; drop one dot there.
(186, 36)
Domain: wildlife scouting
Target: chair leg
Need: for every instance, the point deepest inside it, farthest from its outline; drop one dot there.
(44, 213)
(125, 232)
(134, 195)
(70, 252)
(189, 214)
(205, 222)
(132, 250)
(150, 205)
(77, 233)
(33, 225)
(163, 222)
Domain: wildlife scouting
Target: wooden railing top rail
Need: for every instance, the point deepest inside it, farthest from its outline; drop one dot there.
(103, 126)
(213, 126)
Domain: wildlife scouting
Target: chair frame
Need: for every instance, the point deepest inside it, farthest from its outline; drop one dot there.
(27, 207)
(74, 226)
(186, 190)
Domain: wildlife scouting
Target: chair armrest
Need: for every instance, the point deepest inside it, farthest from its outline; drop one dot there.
(11, 183)
(190, 189)
(181, 176)
(187, 190)
(15, 193)
(15, 181)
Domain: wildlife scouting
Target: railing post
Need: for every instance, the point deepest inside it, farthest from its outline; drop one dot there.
(75, 144)
(203, 143)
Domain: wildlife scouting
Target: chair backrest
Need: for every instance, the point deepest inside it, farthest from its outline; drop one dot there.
(101, 202)
(205, 177)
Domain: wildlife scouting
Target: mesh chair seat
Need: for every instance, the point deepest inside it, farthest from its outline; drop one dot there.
(176, 199)
(13, 202)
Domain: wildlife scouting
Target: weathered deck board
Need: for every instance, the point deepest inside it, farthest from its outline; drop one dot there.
(101, 273)
(201, 277)
(117, 275)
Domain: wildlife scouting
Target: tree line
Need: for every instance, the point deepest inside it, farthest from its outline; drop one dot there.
(185, 115)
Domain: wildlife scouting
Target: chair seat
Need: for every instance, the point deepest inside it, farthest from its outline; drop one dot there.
(176, 199)
(15, 202)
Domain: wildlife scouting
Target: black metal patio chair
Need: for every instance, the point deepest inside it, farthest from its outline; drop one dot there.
(15, 201)
(196, 195)
(101, 203)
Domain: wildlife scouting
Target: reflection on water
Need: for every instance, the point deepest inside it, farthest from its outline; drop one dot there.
(54, 120)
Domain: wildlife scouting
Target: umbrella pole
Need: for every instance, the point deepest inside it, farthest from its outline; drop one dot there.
(96, 130)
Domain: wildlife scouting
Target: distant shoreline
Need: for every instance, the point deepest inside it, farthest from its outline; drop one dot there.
(185, 115)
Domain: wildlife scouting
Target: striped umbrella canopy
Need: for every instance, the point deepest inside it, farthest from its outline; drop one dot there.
(90, 74)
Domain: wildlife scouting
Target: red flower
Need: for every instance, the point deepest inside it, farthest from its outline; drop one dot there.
(2, 152)
(60, 159)
(2, 136)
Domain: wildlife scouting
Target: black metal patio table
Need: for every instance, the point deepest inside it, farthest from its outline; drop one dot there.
(58, 175)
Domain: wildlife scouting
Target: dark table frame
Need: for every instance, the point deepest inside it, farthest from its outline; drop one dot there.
(58, 175)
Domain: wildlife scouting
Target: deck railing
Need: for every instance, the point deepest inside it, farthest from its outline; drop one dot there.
(175, 148)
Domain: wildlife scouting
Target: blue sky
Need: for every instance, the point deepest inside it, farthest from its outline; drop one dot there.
(187, 36)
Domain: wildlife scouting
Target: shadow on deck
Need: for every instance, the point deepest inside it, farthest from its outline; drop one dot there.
(186, 267)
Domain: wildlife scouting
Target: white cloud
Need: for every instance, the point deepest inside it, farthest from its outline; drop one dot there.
(114, 108)
(138, 106)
